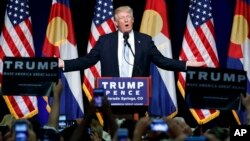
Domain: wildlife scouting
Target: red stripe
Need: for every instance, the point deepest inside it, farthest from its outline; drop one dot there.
(183, 55)
(212, 53)
(182, 80)
(1, 53)
(100, 30)
(88, 85)
(111, 25)
(15, 106)
(180, 76)
(1, 57)
(200, 114)
(207, 45)
(92, 40)
(24, 41)
(28, 103)
(192, 45)
(10, 42)
(29, 25)
(94, 71)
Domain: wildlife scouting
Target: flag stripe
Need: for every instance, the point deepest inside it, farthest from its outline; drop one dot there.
(28, 102)
(192, 46)
(10, 43)
(15, 105)
(91, 41)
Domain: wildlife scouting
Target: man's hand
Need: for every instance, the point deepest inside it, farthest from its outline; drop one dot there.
(194, 63)
(60, 63)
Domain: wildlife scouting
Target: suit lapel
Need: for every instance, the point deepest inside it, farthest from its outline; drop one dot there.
(137, 52)
(115, 51)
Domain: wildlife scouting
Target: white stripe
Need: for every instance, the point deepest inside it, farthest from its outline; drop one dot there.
(69, 51)
(164, 46)
(205, 112)
(5, 47)
(95, 32)
(246, 57)
(89, 47)
(90, 77)
(6, 51)
(21, 104)
(106, 27)
(1, 66)
(187, 50)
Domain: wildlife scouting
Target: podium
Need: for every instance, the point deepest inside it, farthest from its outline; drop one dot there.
(128, 96)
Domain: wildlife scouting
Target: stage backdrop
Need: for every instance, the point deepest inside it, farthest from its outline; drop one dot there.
(82, 13)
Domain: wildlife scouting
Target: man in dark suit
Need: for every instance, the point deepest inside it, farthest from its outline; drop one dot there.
(109, 50)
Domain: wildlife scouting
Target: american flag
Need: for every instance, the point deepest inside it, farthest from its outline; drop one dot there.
(163, 100)
(102, 23)
(16, 40)
(239, 48)
(199, 43)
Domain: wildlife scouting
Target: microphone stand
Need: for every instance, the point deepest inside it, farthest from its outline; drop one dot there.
(128, 44)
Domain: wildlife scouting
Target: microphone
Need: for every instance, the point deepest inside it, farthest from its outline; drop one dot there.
(126, 36)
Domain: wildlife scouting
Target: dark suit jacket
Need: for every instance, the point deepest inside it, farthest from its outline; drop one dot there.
(106, 51)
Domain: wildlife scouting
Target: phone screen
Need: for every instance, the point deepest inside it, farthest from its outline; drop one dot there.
(159, 125)
(98, 96)
(21, 130)
(62, 123)
(122, 134)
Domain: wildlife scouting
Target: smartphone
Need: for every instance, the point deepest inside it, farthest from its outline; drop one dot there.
(64, 123)
(61, 122)
(98, 96)
(196, 138)
(21, 130)
(159, 125)
(122, 134)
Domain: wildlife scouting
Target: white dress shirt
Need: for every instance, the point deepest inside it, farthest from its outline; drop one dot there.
(131, 41)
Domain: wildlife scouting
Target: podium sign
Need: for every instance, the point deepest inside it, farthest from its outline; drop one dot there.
(123, 91)
(214, 88)
(29, 76)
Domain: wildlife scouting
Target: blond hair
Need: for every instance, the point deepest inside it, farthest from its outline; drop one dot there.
(127, 9)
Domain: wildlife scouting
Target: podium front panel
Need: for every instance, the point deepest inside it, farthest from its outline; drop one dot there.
(125, 91)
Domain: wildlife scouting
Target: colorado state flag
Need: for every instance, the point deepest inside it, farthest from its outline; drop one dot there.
(155, 24)
(60, 42)
(239, 48)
